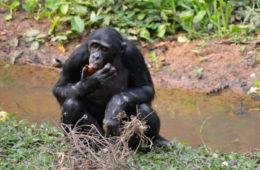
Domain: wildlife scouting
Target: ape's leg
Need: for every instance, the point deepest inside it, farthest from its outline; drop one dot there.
(147, 114)
(72, 112)
(153, 123)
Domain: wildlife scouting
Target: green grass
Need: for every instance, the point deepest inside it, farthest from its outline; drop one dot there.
(26, 146)
(186, 157)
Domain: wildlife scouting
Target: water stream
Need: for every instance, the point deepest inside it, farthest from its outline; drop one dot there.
(228, 122)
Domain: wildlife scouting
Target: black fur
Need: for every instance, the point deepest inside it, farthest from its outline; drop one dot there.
(121, 83)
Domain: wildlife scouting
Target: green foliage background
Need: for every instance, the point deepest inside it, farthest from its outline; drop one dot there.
(146, 19)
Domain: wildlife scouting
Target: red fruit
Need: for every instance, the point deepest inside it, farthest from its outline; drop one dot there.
(88, 70)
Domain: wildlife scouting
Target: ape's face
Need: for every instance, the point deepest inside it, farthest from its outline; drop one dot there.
(100, 53)
(104, 45)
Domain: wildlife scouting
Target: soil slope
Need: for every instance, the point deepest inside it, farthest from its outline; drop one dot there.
(219, 63)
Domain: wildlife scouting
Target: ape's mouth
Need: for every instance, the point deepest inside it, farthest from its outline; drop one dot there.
(90, 69)
(95, 66)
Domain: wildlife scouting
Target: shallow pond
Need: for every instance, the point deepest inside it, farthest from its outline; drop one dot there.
(228, 122)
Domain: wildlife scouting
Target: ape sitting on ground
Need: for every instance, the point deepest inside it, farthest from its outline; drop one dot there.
(120, 82)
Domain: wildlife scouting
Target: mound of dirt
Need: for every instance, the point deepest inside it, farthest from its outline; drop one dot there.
(207, 65)
(202, 65)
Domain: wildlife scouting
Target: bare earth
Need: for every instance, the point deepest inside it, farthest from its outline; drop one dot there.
(225, 65)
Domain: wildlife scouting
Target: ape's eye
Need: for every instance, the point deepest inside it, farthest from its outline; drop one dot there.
(94, 45)
(104, 49)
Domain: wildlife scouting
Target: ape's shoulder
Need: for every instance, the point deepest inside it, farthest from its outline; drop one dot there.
(80, 52)
(77, 60)
(132, 54)
(131, 47)
(135, 63)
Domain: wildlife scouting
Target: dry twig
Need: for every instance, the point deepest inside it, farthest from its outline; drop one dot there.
(91, 150)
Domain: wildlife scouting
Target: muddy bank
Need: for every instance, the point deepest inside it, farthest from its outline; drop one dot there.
(202, 65)
(223, 65)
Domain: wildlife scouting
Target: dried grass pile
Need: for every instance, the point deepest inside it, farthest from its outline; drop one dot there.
(91, 150)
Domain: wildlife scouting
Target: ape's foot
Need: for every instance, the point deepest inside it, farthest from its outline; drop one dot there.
(160, 141)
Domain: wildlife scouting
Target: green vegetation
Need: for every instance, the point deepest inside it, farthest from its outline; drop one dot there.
(29, 147)
(26, 146)
(255, 90)
(146, 19)
(12, 6)
(185, 157)
(35, 37)
(156, 61)
(198, 70)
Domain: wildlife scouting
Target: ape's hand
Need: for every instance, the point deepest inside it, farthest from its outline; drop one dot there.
(97, 80)
(102, 76)
(115, 106)
(111, 127)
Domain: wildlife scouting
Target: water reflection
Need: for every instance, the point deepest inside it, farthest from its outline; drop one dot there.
(26, 91)
(226, 122)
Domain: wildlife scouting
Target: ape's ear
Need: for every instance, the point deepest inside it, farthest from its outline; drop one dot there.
(123, 46)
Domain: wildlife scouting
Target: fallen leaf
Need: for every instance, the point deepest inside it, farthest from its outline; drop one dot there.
(16, 56)
(61, 48)
(160, 44)
(257, 109)
(182, 38)
(173, 43)
(47, 44)
(253, 90)
(8, 17)
(32, 33)
(3, 115)
(35, 46)
(14, 42)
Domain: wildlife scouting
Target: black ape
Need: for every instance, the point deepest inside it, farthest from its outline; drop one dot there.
(121, 82)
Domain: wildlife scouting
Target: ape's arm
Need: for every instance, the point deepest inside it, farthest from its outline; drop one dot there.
(70, 84)
(140, 88)
(64, 89)
(75, 84)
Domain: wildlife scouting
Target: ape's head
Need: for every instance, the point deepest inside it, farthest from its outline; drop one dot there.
(104, 45)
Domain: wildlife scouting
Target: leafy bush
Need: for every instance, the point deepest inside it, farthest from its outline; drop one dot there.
(11, 5)
(146, 19)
